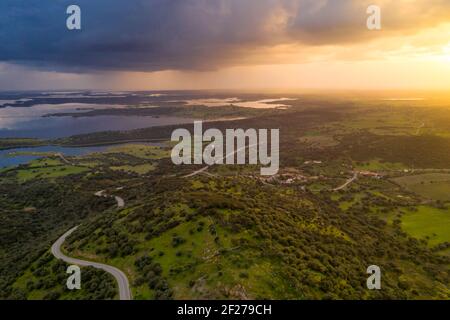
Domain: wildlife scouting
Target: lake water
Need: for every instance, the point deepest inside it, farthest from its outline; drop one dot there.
(28, 122)
(8, 159)
(258, 104)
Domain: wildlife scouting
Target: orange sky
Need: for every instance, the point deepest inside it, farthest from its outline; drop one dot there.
(420, 60)
(264, 44)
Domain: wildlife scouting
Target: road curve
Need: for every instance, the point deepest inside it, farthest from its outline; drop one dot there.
(353, 178)
(121, 278)
(119, 200)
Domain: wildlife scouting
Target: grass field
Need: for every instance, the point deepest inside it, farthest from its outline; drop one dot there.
(140, 151)
(202, 254)
(428, 222)
(383, 120)
(45, 162)
(192, 253)
(48, 172)
(434, 186)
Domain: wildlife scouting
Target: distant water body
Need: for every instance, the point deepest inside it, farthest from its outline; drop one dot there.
(28, 122)
(15, 157)
(8, 157)
(258, 104)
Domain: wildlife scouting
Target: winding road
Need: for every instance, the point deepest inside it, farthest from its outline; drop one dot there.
(63, 158)
(119, 200)
(121, 278)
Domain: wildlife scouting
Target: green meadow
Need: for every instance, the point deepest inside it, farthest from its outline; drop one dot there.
(435, 186)
(428, 223)
(48, 172)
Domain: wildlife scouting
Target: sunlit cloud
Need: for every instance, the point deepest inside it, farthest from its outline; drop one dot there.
(167, 44)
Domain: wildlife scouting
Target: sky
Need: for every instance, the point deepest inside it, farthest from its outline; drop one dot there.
(224, 44)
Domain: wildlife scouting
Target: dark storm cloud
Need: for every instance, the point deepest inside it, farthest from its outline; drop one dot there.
(150, 35)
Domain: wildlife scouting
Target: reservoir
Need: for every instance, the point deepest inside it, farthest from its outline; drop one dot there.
(32, 122)
(17, 156)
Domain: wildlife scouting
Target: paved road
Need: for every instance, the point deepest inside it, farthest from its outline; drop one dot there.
(196, 172)
(63, 158)
(225, 158)
(355, 176)
(119, 200)
(121, 278)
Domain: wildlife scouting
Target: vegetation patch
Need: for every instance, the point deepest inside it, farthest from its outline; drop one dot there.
(140, 151)
(378, 165)
(45, 279)
(139, 169)
(10, 143)
(48, 172)
(428, 223)
(434, 186)
(319, 141)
